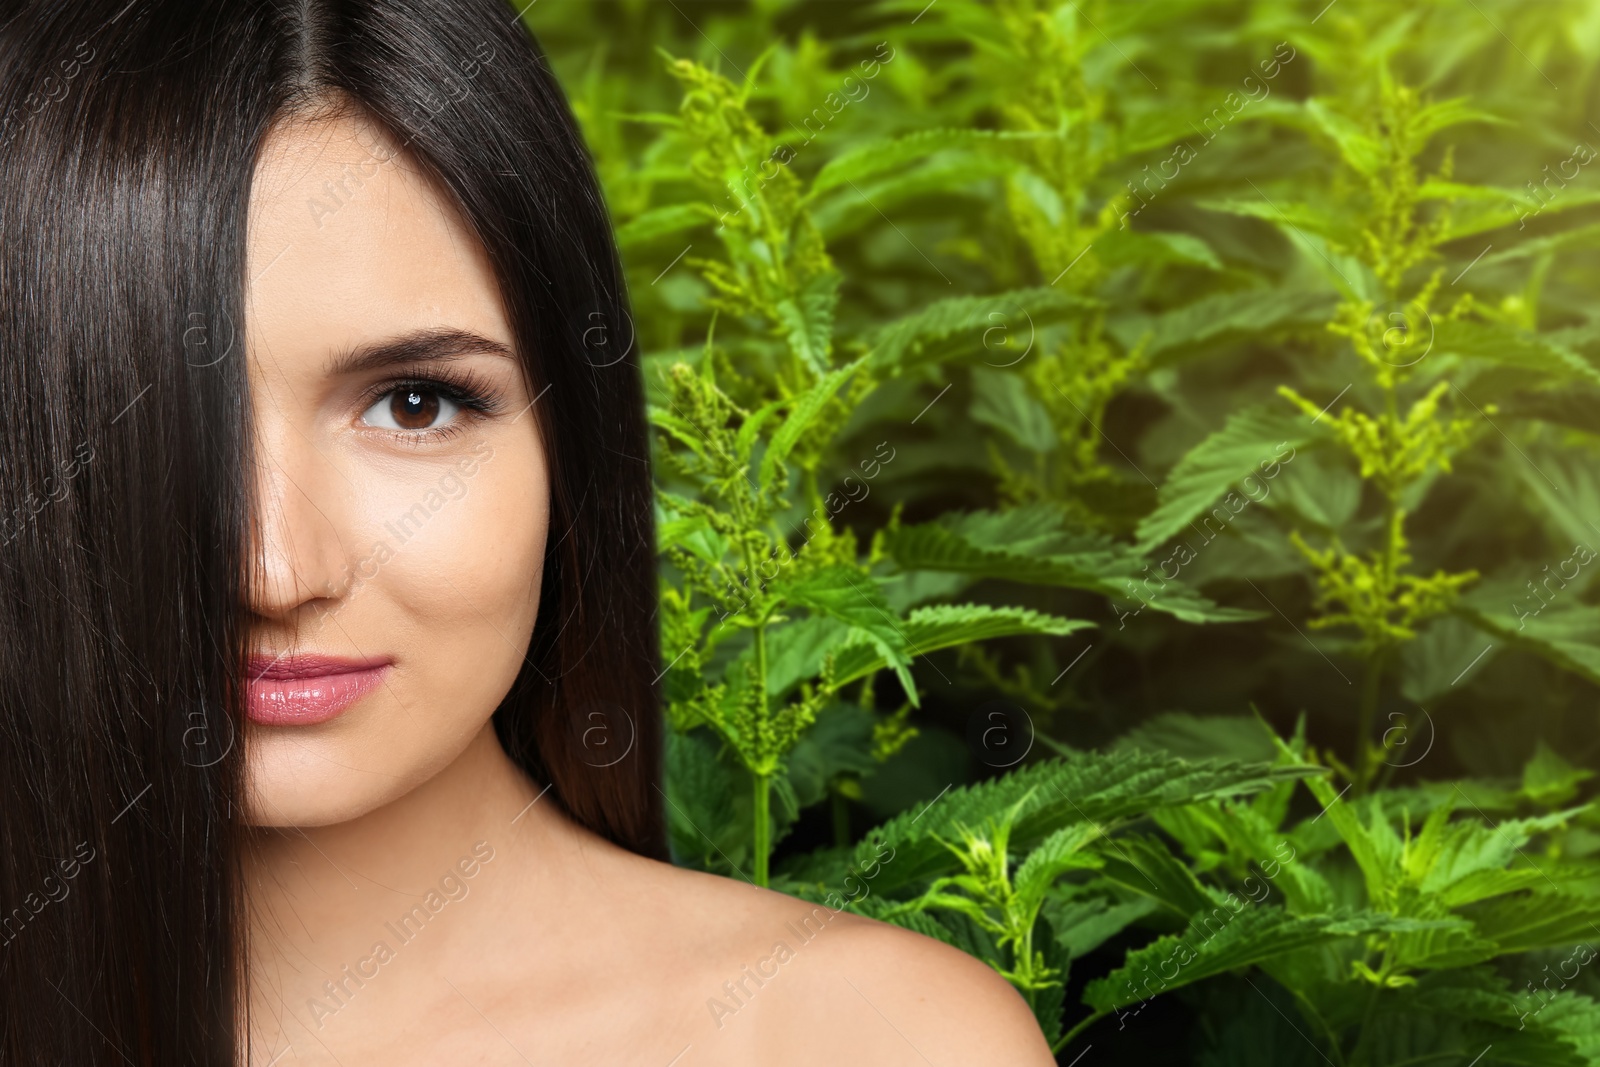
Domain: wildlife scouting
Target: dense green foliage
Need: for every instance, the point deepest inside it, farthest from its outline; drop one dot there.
(1126, 493)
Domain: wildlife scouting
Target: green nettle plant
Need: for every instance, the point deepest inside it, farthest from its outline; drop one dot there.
(775, 610)
(1390, 332)
(1128, 496)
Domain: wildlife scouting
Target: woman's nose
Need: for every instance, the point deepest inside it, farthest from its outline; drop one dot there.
(299, 552)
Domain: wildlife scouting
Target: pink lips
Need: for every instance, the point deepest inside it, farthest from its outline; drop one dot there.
(308, 689)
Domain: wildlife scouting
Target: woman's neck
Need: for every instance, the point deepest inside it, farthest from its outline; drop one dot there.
(404, 890)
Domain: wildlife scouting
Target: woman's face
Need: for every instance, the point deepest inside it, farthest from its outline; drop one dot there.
(402, 490)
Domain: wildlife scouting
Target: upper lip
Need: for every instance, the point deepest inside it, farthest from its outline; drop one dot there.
(311, 665)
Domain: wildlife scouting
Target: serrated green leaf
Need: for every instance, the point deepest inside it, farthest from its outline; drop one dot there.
(1030, 545)
(1259, 313)
(1002, 400)
(1084, 788)
(1058, 853)
(1251, 444)
(809, 320)
(946, 625)
(663, 222)
(802, 413)
(1221, 941)
(855, 599)
(1567, 633)
(1537, 920)
(874, 158)
(1495, 343)
(998, 329)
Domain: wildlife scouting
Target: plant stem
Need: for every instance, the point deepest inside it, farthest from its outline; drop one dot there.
(841, 819)
(763, 796)
(763, 826)
(1366, 754)
(1066, 1038)
(1364, 720)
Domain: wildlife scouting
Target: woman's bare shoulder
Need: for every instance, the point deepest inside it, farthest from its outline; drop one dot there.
(791, 981)
(909, 999)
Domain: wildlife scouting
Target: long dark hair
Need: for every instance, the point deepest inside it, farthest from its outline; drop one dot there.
(128, 135)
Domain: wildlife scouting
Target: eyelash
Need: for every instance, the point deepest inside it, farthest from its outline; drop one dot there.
(476, 398)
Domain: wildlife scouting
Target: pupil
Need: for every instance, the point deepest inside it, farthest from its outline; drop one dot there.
(414, 409)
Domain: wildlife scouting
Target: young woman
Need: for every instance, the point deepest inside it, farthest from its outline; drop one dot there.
(327, 551)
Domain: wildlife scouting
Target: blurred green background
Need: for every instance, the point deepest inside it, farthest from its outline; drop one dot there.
(1128, 494)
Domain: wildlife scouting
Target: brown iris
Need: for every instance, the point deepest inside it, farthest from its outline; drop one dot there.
(414, 409)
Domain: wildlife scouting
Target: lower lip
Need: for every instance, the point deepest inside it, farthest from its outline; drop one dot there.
(309, 700)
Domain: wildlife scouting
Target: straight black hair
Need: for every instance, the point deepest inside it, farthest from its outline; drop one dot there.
(128, 137)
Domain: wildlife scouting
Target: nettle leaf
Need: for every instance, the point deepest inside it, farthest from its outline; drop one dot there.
(1323, 490)
(1360, 152)
(680, 429)
(1143, 865)
(795, 651)
(1240, 737)
(1565, 482)
(809, 320)
(1445, 114)
(1480, 215)
(663, 221)
(744, 441)
(853, 598)
(1030, 545)
(1444, 852)
(1453, 942)
(1576, 237)
(1287, 215)
(998, 328)
(1576, 1019)
(888, 155)
(946, 625)
(1567, 633)
(1251, 443)
(1536, 920)
(840, 742)
(1466, 1015)
(677, 526)
(1549, 779)
(1136, 248)
(708, 806)
(1488, 884)
(948, 178)
(1091, 788)
(803, 411)
(1370, 844)
(1496, 343)
(1342, 270)
(1225, 940)
(695, 535)
(1002, 400)
(1257, 313)
(1062, 851)
(1082, 923)
(1041, 194)
(1434, 663)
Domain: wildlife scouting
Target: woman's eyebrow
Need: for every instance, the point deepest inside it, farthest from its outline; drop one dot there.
(418, 346)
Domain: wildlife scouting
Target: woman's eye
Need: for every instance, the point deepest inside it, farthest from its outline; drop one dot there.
(411, 407)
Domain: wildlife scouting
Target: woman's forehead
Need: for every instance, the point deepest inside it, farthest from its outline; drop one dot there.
(349, 238)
